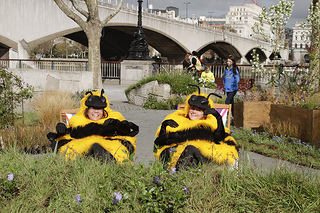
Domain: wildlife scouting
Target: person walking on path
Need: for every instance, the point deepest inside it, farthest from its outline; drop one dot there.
(230, 81)
(186, 62)
(195, 64)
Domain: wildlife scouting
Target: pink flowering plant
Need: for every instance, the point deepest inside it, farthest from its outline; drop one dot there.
(250, 92)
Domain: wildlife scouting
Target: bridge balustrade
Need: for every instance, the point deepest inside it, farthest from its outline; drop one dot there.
(109, 69)
(112, 69)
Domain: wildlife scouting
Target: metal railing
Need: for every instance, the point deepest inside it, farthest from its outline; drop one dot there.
(112, 69)
(260, 77)
(109, 69)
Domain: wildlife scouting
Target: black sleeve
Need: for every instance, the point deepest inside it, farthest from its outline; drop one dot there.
(193, 61)
(167, 139)
(219, 134)
(128, 128)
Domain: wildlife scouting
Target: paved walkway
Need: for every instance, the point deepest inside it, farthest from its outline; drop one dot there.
(149, 120)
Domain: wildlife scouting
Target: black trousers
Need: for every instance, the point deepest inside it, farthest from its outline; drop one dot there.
(99, 152)
(230, 100)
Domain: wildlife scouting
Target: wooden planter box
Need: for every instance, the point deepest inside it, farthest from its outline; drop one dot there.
(306, 121)
(254, 115)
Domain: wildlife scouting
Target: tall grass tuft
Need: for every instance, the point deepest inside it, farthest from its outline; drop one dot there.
(47, 106)
(278, 128)
(21, 136)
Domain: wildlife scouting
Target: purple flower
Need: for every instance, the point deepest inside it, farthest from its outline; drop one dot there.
(185, 189)
(157, 179)
(172, 149)
(10, 177)
(117, 197)
(173, 170)
(78, 198)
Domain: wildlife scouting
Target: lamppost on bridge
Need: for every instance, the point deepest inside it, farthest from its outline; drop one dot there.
(139, 47)
(186, 3)
(211, 14)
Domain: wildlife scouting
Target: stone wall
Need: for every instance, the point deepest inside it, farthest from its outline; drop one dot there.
(43, 80)
(139, 95)
(133, 71)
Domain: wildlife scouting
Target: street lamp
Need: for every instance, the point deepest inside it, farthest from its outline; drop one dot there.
(139, 47)
(186, 3)
(211, 14)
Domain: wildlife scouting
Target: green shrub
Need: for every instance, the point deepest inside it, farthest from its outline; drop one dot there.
(178, 82)
(153, 103)
(12, 92)
(313, 102)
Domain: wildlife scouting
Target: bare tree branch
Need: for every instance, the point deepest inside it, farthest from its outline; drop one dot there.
(92, 8)
(106, 20)
(70, 13)
(79, 9)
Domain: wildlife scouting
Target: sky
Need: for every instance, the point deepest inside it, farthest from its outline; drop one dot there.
(221, 7)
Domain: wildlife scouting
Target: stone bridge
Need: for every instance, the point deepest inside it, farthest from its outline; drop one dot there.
(26, 24)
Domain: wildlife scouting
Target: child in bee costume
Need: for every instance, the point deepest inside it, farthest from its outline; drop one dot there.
(195, 135)
(96, 130)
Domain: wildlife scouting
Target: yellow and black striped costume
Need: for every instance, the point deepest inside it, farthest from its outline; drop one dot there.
(208, 137)
(112, 134)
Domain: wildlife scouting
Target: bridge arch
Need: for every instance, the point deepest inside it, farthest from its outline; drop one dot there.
(116, 40)
(8, 43)
(222, 49)
(262, 55)
(62, 33)
(5, 45)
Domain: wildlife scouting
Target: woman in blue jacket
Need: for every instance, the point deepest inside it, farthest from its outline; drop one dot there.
(230, 80)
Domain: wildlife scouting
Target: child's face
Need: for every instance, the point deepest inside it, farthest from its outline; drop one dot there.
(95, 114)
(229, 62)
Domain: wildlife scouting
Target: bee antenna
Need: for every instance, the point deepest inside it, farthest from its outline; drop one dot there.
(196, 86)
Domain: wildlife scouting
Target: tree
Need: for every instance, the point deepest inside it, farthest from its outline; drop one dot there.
(92, 27)
(277, 17)
(61, 50)
(314, 49)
